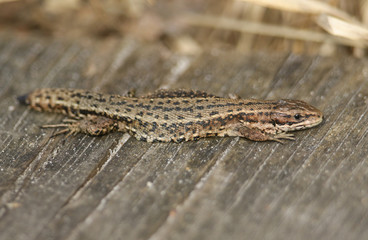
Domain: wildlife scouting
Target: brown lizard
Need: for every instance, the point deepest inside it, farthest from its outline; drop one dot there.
(174, 115)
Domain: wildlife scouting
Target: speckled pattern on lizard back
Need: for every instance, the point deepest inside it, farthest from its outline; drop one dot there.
(174, 115)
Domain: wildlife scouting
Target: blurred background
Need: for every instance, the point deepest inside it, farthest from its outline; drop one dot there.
(325, 27)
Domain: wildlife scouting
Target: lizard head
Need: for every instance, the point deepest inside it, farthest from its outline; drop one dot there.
(290, 115)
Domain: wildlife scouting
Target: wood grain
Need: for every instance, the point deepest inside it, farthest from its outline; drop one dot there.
(115, 187)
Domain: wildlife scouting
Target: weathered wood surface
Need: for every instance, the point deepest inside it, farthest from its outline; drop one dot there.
(115, 187)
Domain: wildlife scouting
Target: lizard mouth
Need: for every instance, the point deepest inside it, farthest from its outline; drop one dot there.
(308, 124)
(300, 125)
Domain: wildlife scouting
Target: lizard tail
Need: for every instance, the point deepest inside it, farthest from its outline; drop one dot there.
(23, 99)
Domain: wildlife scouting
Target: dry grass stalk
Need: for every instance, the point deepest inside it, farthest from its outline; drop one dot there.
(4, 1)
(333, 20)
(338, 27)
(303, 6)
(266, 29)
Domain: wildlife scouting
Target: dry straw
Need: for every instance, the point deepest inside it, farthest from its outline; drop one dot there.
(341, 27)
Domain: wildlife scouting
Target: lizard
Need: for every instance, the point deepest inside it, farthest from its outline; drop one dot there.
(173, 115)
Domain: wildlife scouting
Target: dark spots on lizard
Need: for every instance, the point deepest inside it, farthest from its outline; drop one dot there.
(130, 105)
(128, 109)
(60, 98)
(263, 121)
(160, 103)
(230, 110)
(230, 104)
(86, 112)
(157, 116)
(246, 114)
(167, 109)
(153, 127)
(180, 117)
(250, 120)
(199, 115)
(179, 140)
(141, 113)
(73, 111)
(176, 103)
(140, 122)
(141, 138)
(185, 101)
(149, 113)
(166, 117)
(119, 103)
(168, 101)
(64, 109)
(211, 106)
(78, 95)
(214, 113)
(141, 105)
(173, 126)
(204, 123)
(101, 100)
(188, 109)
(188, 126)
(157, 107)
(222, 121)
(200, 107)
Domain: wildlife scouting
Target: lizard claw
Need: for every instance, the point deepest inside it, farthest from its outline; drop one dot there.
(70, 127)
(280, 136)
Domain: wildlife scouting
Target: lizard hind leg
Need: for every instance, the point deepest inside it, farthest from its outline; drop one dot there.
(91, 125)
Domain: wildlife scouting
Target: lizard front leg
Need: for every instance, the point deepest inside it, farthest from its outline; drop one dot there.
(91, 124)
(255, 134)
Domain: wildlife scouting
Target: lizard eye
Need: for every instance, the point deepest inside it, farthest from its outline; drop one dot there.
(297, 116)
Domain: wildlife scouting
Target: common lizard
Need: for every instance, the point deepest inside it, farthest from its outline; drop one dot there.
(174, 115)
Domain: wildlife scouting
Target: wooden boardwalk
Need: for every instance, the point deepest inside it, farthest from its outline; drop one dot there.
(115, 187)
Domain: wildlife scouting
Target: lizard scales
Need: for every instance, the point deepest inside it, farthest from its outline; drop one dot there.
(174, 115)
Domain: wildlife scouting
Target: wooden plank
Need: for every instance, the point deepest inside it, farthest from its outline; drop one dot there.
(116, 187)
